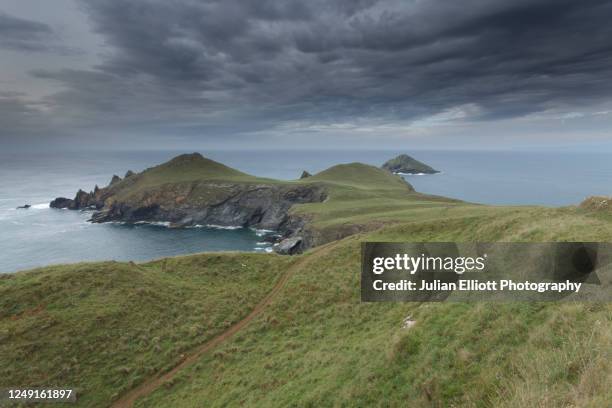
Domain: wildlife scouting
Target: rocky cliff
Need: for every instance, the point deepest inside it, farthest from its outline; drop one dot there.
(192, 190)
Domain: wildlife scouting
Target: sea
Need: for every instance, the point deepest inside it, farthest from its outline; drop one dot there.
(42, 236)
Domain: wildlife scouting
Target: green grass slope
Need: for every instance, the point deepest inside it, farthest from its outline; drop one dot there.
(317, 345)
(179, 173)
(105, 327)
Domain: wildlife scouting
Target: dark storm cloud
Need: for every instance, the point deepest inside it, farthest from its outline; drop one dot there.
(193, 64)
(23, 35)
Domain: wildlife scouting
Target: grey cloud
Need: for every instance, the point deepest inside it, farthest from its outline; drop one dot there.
(214, 64)
(20, 34)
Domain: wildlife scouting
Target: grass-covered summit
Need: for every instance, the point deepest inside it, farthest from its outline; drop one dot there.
(186, 168)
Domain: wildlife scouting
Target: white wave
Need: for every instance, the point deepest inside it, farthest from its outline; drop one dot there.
(225, 227)
(42, 206)
(265, 231)
(160, 223)
(411, 174)
(262, 232)
(155, 223)
(266, 249)
(262, 243)
(418, 174)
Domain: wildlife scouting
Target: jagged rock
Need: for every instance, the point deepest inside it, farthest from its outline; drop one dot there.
(82, 200)
(407, 165)
(115, 180)
(273, 238)
(129, 173)
(305, 174)
(289, 246)
(61, 202)
(100, 217)
(24, 207)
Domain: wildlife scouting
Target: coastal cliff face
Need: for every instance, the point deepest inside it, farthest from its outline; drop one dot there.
(191, 190)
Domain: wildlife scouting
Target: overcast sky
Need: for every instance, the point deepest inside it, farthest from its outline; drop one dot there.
(420, 74)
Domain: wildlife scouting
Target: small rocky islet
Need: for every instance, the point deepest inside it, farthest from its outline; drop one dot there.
(404, 164)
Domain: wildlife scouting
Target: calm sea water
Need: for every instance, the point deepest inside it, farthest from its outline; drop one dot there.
(42, 236)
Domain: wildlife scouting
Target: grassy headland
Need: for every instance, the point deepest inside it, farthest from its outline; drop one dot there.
(106, 327)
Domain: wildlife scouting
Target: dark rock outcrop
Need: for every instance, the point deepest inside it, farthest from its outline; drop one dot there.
(289, 246)
(408, 165)
(61, 202)
(305, 174)
(115, 180)
(83, 200)
(24, 207)
(246, 205)
(129, 173)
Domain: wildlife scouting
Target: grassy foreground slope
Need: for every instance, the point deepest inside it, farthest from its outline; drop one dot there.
(317, 345)
(105, 327)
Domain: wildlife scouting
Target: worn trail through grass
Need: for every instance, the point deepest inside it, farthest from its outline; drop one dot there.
(151, 384)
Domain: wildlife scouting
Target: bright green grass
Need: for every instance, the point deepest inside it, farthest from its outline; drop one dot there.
(104, 327)
(318, 345)
(361, 176)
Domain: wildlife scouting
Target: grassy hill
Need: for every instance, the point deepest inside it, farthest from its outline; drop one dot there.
(104, 327)
(107, 327)
(319, 346)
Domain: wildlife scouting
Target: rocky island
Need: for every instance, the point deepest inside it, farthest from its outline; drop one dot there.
(405, 164)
